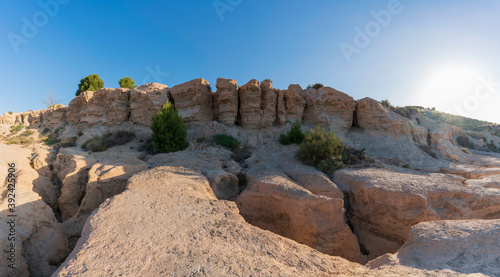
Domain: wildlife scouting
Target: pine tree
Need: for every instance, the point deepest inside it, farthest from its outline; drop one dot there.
(169, 131)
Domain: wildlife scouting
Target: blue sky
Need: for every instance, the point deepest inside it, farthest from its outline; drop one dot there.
(443, 54)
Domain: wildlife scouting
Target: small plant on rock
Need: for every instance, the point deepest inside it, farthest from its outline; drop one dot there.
(226, 141)
(295, 134)
(315, 86)
(466, 151)
(319, 145)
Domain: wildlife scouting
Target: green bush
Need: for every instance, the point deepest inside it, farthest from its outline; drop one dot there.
(169, 131)
(69, 142)
(267, 80)
(315, 86)
(226, 141)
(386, 103)
(327, 152)
(46, 130)
(127, 82)
(465, 142)
(15, 129)
(319, 145)
(295, 134)
(10, 112)
(27, 133)
(90, 83)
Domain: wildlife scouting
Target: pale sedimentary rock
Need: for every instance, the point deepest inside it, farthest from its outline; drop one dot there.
(226, 101)
(146, 101)
(193, 100)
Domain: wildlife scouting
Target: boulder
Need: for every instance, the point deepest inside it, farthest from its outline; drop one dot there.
(329, 108)
(146, 101)
(464, 246)
(40, 243)
(72, 167)
(205, 236)
(193, 101)
(385, 204)
(224, 184)
(226, 101)
(373, 117)
(250, 101)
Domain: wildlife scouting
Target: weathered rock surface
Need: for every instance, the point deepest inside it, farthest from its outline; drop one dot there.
(146, 101)
(40, 243)
(386, 204)
(72, 168)
(329, 108)
(372, 116)
(250, 105)
(193, 100)
(268, 104)
(226, 101)
(492, 182)
(304, 206)
(465, 246)
(294, 103)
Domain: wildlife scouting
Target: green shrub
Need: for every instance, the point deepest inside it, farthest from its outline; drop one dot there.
(319, 145)
(10, 112)
(331, 164)
(465, 142)
(49, 142)
(201, 139)
(386, 103)
(27, 133)
(267, 80)
(169, 131)
(127, 82)
(71, 142)
(46, 130)
(226, 141)
(90, 83)
(15, 129)
(123, 137)
(406, 166)
(466, 151)
(315, 86)
(20, 140)
(295, 134)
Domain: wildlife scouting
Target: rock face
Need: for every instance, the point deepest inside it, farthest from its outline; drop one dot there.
(268, 104)
(386, 204)
(226, 101)
(465, 246)
(294, 103)
(172, 214)
(371, 115)
(72, 169)
(296, 201)
(329, 108)
(193, 100)
(146, 101)
(250, 105)
(104, 106)
(40, 243)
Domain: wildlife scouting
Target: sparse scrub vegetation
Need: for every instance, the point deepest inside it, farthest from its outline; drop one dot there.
(267, 80)
(70, 142)
(10, 112)
(386, 103)
(466, 151)
(169, 131)
(16, 129)
(295, 134)
(226, 141)
(327, 152)
(315, 86)
(103, 143)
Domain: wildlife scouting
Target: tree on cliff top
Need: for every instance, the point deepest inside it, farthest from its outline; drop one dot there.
(169, 131)
(126, 82)
(90, 83)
